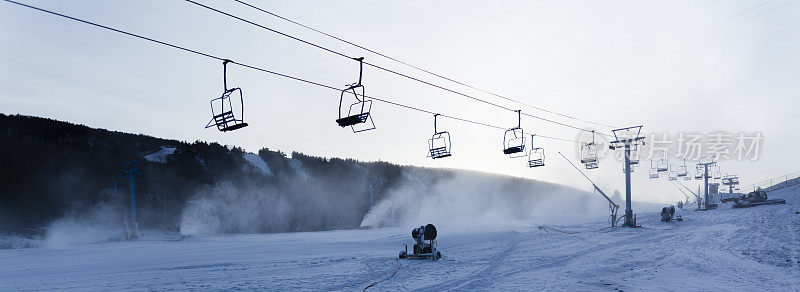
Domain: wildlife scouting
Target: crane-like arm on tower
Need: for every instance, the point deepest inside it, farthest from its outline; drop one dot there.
(611, 205)
(690, 190)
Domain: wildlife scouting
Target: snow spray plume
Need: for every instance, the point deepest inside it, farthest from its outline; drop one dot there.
(296, 202)
(225, 208)
(102, 222)
(468, 199)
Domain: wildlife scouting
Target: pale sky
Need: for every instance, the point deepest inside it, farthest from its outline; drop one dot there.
(672, 66)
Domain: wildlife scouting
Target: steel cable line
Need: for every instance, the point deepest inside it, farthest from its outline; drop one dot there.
(417, 67)
(267, 71)
(383, 68)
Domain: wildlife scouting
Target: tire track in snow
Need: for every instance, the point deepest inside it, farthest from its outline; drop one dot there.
(482, 279)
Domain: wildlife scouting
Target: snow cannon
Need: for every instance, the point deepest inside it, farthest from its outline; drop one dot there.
(667, 213)
(425, 246)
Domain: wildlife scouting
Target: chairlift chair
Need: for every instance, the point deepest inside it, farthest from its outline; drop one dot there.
(634, 156)
(662, 165)
(683, 171)
(699, 173)
(439, 144)
(514, 139)
(359, 111)
(653, 173)
(222, 109)
(536, 156)
(654, 165)
(589, 154)
(673, 175)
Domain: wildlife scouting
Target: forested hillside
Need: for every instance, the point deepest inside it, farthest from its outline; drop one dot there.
(52, 169)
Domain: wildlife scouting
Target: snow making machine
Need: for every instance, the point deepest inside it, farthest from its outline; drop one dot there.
(425, 247)
(667, 213)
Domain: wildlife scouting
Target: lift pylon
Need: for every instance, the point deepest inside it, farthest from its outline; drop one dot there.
(626, 138)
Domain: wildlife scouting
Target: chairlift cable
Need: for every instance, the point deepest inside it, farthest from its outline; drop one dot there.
(265, 70)
(417, 67)
(381, 67)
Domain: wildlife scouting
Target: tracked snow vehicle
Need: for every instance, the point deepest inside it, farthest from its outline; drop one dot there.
(756, 198)
(425, 247)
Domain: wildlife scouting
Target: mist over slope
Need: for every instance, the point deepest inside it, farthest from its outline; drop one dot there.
(473, 198)
(66, 178)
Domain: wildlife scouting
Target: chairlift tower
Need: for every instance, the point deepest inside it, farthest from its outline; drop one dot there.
(705, 165)
(731, 181)
(131, 169)
(627, 138)
(370, 189)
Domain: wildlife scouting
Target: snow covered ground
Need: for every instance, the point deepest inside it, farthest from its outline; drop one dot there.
(160, 156)
(750, 249)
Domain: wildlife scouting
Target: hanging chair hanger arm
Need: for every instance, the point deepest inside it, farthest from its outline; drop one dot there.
(360, 69)
(225, 74)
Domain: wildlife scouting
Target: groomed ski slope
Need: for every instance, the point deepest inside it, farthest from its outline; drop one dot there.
(751, 249)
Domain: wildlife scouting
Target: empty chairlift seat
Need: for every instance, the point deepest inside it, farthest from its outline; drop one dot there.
(354, 107)
(439, 145)
(514, 139)
(634, 157)
(589, 155)
(653, 173)
(662, 165)
(227, 111)
(682, 171)
(536, 155)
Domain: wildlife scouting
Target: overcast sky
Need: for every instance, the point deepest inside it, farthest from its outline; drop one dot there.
(672, 66)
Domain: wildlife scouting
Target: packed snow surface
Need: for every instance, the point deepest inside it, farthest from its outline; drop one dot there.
(752, 249)
(258, 163)
(160, 156)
